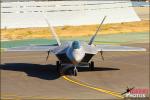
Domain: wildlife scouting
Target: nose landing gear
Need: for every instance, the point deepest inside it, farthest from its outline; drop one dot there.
(75, 71)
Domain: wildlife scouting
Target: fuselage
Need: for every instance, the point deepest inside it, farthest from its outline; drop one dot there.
(74, 54)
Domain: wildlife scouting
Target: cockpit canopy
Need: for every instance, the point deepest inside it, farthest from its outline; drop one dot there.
(75, 44)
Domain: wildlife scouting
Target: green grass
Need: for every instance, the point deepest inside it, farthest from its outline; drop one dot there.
(100, 39)
(116, 38)
(15, 43)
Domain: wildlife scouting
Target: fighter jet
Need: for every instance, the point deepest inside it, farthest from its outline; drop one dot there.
(74, 53)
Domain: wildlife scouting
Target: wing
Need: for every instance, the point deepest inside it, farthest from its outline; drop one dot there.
(88, 49)
(33, 48)
(118, 48)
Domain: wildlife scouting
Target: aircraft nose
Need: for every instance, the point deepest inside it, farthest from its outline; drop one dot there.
(78, 55)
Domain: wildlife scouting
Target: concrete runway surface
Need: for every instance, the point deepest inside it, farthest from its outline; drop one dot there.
(25, 75)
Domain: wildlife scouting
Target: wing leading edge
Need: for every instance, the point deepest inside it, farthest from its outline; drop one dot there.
(33, 48)
(118, 48)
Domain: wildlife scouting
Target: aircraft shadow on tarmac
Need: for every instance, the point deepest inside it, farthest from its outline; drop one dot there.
(47, 72)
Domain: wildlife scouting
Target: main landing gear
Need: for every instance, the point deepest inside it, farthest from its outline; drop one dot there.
(59, 67)
(91, 65)
(60, 71)
(75, 70)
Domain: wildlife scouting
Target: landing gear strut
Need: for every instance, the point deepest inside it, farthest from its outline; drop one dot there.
(91, 65)
(75, 71)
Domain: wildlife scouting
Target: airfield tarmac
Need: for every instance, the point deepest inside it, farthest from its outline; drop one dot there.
(25, 75)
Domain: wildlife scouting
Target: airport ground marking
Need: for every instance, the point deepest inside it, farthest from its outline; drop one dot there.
(17, 97)
(94, 88)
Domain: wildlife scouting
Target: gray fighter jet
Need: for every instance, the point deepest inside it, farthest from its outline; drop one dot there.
(75, 53)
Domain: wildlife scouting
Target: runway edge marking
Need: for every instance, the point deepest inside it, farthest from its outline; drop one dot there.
(94, 88)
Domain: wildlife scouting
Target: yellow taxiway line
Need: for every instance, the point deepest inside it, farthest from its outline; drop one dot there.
(95, 88)
(17, 97)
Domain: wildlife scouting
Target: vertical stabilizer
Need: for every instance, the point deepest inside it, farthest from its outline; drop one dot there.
(52, 31)
(93, 37)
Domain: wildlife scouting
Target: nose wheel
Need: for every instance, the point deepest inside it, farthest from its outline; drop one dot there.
(75, 71)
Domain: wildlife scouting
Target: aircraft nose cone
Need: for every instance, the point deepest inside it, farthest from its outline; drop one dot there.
(78, 55)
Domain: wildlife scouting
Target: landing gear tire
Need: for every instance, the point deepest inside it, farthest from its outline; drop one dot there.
(91, 65)
(58, 65)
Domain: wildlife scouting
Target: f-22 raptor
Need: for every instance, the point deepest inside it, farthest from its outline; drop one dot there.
(74, 53)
